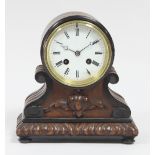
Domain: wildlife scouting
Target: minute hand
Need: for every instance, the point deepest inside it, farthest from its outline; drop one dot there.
(95, 42)
(91, 43)
(85, 47)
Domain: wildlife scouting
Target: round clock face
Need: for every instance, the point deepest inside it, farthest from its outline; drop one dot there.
(77, 53)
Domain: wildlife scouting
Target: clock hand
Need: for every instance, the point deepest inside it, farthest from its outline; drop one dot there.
(66, 48)
(71, 50)
(91, 43)
(96, 41)
(85, 47)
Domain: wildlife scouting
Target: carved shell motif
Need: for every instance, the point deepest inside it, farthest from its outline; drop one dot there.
(78, 104)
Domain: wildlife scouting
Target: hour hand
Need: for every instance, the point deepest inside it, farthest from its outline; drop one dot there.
(66, 48)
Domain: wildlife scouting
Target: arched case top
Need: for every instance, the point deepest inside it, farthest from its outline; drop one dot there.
(70, 16)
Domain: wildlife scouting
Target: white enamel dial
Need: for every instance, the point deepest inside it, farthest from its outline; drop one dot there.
(77, 53)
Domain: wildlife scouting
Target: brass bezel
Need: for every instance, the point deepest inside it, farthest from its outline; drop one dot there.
(75, 83)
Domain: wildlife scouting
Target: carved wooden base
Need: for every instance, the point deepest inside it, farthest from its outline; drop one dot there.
(58, 113)
(77, 132)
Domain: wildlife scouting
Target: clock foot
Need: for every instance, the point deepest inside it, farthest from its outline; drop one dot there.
(128, 140)
(25, 140)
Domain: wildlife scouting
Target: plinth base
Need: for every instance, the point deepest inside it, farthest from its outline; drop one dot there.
(77, 139)
(77, 132)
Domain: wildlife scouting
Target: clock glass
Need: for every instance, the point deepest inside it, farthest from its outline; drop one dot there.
(77, 53)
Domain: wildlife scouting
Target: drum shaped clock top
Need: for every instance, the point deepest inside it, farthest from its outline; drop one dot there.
(75, 102)
(77, 51)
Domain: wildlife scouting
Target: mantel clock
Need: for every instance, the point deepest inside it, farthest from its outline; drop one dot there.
(75, 103)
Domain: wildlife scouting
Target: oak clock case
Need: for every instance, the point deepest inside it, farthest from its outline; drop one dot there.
(75, 103)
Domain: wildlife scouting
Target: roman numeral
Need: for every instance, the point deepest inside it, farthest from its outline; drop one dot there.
(88, 71)
(77, 73)
(98, 53)
(59, 63)
(77, 29)
(55, 53)
(66, 34)
(95, 42)
(88, 34)
(66, 71)
(95, 63)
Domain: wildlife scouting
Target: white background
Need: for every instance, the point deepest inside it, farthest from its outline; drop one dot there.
(128, 23)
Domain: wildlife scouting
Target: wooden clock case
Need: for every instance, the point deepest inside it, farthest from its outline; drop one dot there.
(58, 113)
